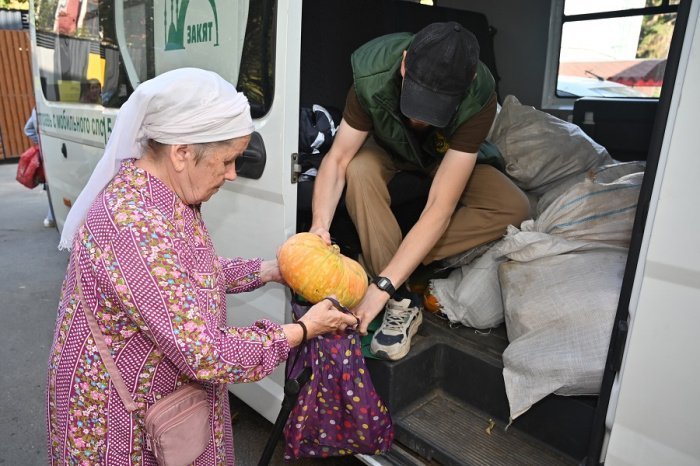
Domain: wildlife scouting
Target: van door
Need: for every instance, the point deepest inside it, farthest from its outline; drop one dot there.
(116, 45)
(252, 216)
(653, 411)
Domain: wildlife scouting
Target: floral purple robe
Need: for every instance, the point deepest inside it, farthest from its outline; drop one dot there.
(157, 288)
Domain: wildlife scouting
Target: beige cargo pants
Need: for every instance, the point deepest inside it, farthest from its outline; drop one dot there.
(490, 202)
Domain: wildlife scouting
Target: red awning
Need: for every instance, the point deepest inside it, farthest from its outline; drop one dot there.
(643, 73)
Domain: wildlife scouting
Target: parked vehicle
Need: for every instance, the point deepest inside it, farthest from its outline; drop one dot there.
(447, 397)
(575, 86)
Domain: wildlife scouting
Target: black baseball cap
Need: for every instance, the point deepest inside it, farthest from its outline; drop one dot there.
(440, 66)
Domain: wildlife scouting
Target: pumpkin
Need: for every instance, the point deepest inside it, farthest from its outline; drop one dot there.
(431, 303)
(316, 270)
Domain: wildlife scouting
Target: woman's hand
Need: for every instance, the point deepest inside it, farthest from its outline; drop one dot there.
(323, 317)
(270, 272)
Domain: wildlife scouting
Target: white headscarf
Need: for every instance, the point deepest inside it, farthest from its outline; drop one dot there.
(183, 106)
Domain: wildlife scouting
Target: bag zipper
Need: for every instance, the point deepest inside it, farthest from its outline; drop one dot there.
(157, 411)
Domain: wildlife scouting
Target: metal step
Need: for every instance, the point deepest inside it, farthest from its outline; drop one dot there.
(463, 367)
(441, 428)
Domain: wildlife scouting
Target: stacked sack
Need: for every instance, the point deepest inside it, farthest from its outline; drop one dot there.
(556, 280)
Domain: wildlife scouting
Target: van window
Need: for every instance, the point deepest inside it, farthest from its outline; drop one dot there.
(235, 39)
(77, 54)
(97, 51)
(257, 71)
(138, 36)
(607, 48)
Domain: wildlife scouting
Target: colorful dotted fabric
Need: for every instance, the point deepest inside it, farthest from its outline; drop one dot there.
(338, 412)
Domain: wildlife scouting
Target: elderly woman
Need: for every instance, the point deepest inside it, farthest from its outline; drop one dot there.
(149, 274)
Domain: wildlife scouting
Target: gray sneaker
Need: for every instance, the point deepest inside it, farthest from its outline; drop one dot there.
(392, 340)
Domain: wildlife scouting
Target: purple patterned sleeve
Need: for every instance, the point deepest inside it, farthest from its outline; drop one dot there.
(181, 312)
(241, 275)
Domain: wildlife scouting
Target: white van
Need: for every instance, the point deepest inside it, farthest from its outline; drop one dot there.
(447, 397)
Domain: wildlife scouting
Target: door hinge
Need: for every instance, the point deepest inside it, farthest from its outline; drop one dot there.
(622, 328)
(296, 168)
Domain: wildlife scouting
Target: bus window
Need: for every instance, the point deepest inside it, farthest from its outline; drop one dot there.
(78, 58)
(611, 48)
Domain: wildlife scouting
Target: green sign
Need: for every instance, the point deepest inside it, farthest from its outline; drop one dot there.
(180, 34)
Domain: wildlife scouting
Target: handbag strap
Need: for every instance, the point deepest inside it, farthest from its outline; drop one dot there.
(107, 358)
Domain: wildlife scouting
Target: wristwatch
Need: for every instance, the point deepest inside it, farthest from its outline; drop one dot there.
(384, 284)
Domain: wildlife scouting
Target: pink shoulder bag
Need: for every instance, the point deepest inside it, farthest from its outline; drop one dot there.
(177, 425)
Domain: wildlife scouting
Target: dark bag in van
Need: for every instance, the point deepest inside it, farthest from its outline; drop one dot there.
(317, 128)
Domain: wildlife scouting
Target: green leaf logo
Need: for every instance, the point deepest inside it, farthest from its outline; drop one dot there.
(178, 34)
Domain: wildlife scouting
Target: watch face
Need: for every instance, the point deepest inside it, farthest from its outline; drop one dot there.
(384, 284)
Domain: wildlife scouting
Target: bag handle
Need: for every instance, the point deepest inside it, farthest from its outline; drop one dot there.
(101, 344)
(300, 348)
(336, 304)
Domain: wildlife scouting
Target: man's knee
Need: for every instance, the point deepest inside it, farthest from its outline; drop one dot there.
(508, 199)
(517, 207)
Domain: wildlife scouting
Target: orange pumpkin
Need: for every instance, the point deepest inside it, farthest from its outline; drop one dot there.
(316, 270)
(430, 302)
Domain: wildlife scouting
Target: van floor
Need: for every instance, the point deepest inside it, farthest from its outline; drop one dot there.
(448, 402)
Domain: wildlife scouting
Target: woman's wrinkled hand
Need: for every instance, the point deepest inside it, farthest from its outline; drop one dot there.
(323, 317)
(270, 272)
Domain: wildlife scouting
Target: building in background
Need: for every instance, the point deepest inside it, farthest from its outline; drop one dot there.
(16, 91)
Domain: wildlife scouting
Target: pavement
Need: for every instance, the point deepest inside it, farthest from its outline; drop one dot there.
(31, 273)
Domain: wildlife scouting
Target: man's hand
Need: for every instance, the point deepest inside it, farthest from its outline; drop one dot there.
(371, 305)
(323, 233)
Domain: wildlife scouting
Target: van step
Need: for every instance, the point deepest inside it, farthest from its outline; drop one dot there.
(439, 427)
(466, 366)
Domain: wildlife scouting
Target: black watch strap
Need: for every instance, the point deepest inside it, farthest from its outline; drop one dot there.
(384, 284)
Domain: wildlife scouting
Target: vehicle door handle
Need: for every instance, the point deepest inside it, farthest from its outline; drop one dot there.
(251, 163)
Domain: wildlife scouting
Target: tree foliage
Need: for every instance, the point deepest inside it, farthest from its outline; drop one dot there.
(655, 36)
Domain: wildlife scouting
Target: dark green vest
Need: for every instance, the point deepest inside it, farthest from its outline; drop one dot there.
(377, 78)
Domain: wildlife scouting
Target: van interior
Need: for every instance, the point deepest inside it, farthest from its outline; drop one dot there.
(447, 397)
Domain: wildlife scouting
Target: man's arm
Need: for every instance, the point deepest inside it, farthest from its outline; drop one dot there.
(330, 179)
(445, 191)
